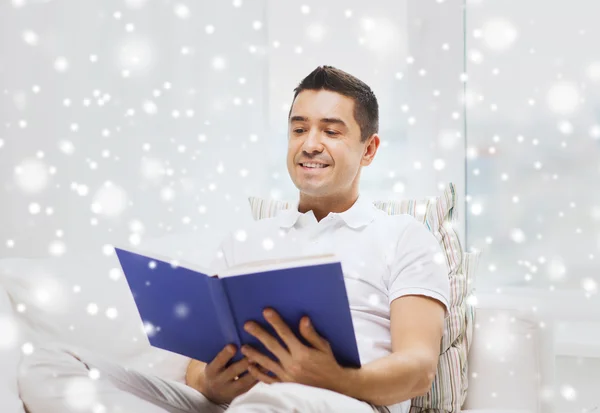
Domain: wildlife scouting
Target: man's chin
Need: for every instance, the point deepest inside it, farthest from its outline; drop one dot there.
(313, 190)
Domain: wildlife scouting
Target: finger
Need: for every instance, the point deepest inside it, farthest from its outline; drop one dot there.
(234, 370)
(244, 384)
(259, 374)
(263, 361)
(265, 371)
(310, 334)
(268, 341)
(220, 360)
(282, 329)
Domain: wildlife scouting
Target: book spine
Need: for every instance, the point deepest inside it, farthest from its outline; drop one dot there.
(236, 325)
(223, 310)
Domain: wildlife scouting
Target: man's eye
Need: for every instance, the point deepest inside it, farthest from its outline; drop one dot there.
(329, 132)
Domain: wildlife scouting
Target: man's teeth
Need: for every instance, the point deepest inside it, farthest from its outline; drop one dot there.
(313, 165)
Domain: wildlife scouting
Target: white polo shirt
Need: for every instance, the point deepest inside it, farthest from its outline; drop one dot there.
(383, 257)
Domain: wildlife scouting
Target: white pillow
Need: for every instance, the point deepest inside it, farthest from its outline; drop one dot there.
(84, 300)
(10, 355)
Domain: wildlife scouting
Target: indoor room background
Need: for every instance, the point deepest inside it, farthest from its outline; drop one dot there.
(149, 123)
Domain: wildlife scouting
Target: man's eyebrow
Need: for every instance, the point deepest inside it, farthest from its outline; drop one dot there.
(323, 120)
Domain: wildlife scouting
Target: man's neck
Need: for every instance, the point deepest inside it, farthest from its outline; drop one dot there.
(322, 206)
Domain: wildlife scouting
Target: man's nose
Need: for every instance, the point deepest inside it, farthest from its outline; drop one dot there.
(313, 143)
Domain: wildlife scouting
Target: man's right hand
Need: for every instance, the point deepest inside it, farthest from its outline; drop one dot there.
(222, 385)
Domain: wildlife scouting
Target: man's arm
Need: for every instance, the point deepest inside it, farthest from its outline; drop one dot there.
(417, 325)
(194, 375)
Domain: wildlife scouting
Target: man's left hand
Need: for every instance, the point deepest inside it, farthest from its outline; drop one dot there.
(314, 366)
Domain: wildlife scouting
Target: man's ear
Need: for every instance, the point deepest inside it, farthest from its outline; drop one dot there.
(370, 150)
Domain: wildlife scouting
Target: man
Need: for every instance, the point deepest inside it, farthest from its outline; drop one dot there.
(397, 288)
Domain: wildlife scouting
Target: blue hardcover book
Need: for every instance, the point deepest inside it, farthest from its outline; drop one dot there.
(190, 311)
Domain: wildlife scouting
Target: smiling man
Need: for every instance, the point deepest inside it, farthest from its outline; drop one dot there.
(398, 291)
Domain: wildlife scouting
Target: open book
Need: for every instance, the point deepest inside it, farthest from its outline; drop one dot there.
(193, 312)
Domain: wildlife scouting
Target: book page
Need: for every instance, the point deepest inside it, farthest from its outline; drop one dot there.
(169, 260)
(275, 264)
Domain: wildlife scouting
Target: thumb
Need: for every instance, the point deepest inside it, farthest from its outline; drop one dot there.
(310, 334)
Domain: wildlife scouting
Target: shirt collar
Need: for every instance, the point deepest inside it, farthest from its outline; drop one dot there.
(361, 213)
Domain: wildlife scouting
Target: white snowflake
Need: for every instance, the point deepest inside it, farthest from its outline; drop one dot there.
(61, 65)
(557, 269)
(476, 209)
(593, 71)
(66, 147)
(589, 285)
(30, 37)
(110, 200)
(136, 54)
(135, 4)
(374, 299)
(135, 239)
(32, 175)
(92, 308)
(94, 374)
(399, 187)
(517, 235)
(499, 34)
(181, 11)
(568, 392)
(268, 244)
(57, 248)
(34, 208)
(439, 164)
(111, 313)
(563, 98)
(241, 235)
(182, 310)
(27, 348)
(80, 393)
(149, 329)
(219, 63)
(167, 194)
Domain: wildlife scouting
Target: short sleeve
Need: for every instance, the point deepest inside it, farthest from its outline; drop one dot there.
(418, 266)
(223, 257)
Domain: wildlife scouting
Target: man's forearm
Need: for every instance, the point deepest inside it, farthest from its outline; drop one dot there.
(194, 376)
(388, 380)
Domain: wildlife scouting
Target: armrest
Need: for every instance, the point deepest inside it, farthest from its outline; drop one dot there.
(511, 360)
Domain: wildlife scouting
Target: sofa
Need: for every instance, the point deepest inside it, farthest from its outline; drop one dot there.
(84, 300)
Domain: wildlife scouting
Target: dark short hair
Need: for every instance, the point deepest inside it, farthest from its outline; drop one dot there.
(366, 109)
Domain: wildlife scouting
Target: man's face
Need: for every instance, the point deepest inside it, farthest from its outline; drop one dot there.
(324, 149)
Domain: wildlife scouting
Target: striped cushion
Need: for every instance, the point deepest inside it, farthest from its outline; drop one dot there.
(449, 387)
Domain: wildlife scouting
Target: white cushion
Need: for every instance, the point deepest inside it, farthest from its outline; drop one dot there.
(66, 299)
(10, 355)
